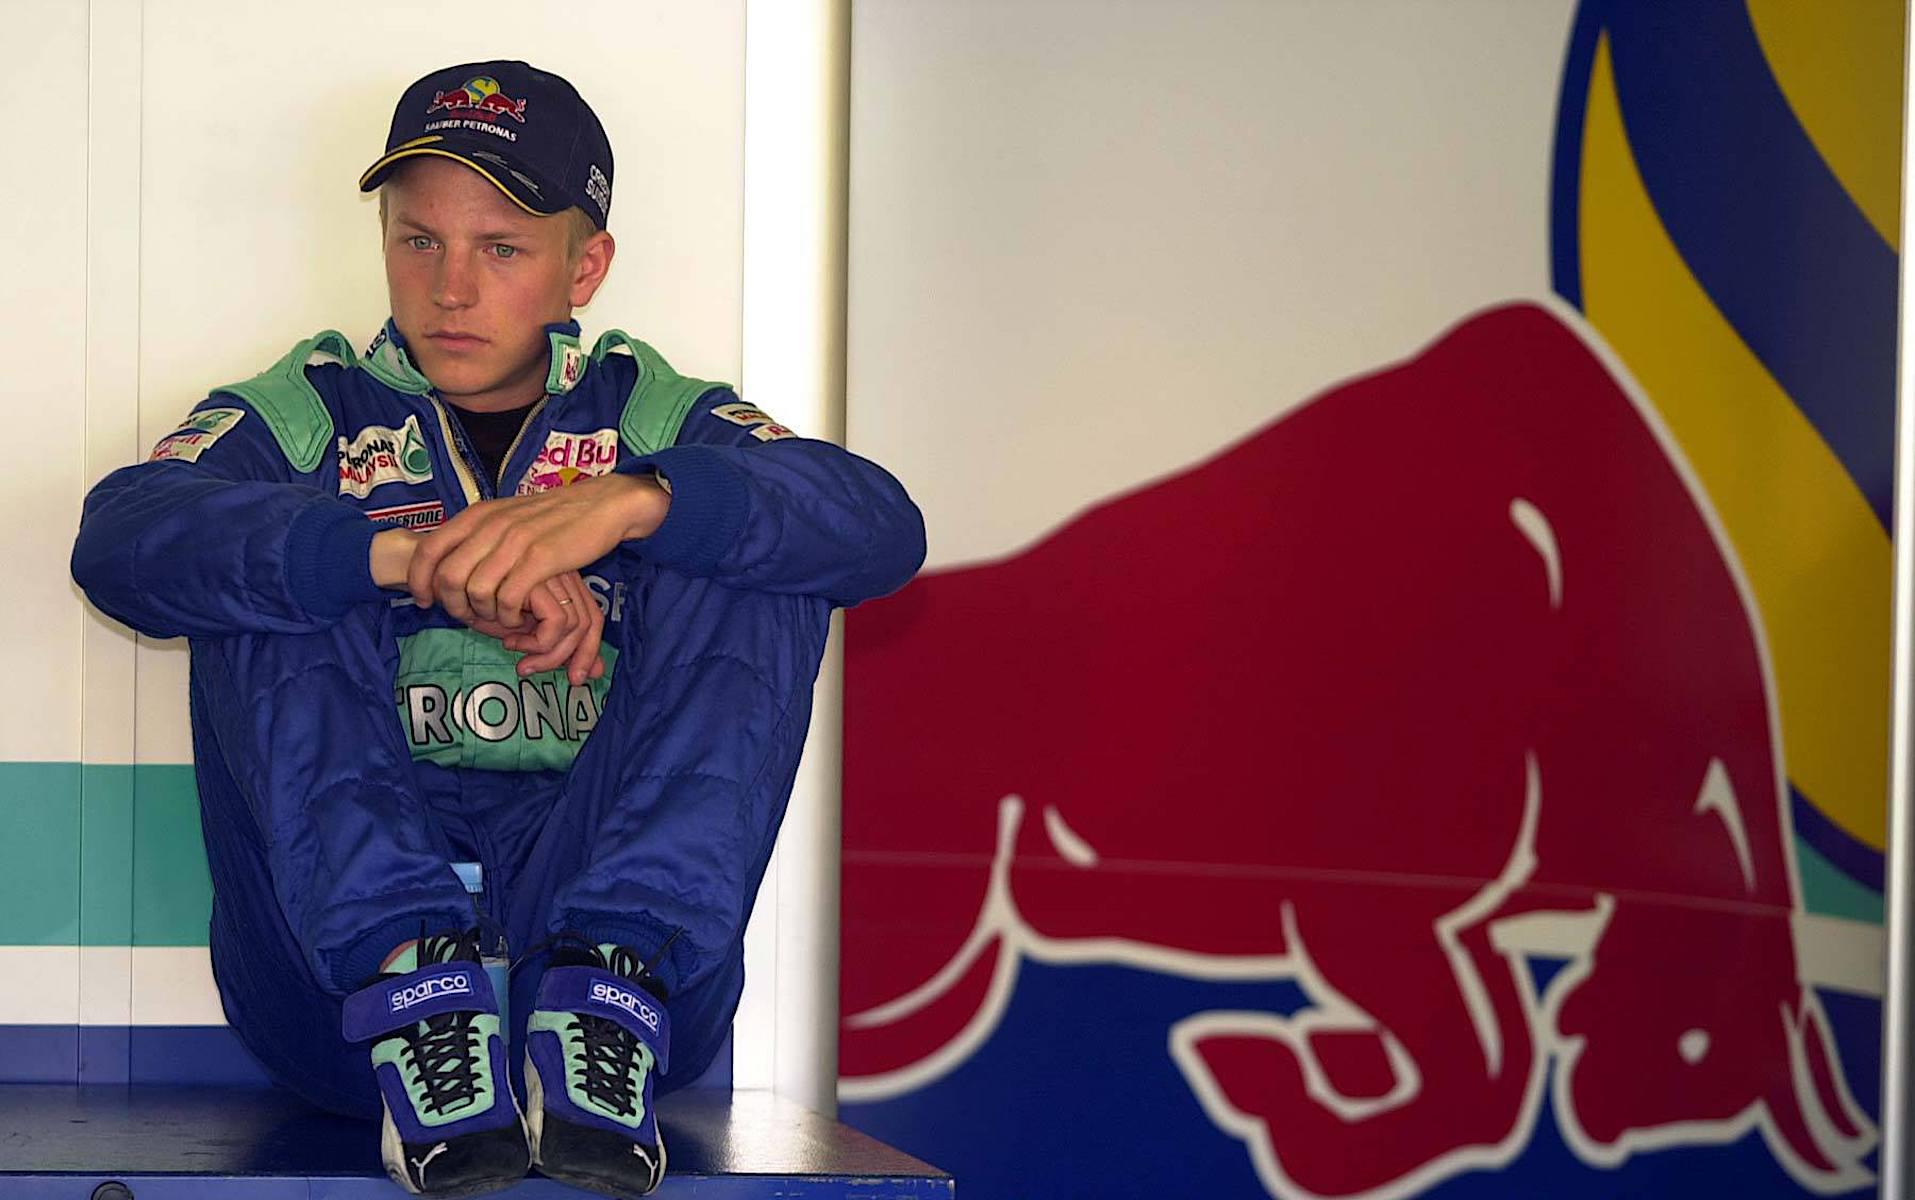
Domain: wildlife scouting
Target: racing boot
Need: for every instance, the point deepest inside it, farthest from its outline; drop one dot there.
(596, 1039)
(451, 1125)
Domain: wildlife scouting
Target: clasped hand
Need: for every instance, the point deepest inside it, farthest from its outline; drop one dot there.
(510, 568)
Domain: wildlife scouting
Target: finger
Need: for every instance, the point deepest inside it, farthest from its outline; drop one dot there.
(548, 643)
(545, 660)
(433, 546)
(585, 653)
(586, 657)
(454, 582)
(533, 570)
(565, 592)
(524, 563)
(570, 595)
(515, 586)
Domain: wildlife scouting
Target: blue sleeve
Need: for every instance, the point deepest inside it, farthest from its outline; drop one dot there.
(216, 535)
(756, 507)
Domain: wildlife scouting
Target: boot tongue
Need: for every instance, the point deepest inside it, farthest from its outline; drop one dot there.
(409, 956)
(621, 961)
(403, 960)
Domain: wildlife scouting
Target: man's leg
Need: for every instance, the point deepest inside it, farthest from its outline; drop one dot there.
(306, 730)
(340, 930)
(660, 836)
(324, 858)
(275, 1006)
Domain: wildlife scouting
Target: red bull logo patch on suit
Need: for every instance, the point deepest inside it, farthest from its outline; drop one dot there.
(568, 457)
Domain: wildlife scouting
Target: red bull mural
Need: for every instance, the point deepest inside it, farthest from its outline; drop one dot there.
(1430, 793)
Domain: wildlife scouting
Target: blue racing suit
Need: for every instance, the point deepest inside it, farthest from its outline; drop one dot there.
(350, 745)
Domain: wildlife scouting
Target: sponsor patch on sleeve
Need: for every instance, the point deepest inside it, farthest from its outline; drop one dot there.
(772, 432)
(743, 414)
(376, 456)
(428, 514)
(567, 458)
(196, 434)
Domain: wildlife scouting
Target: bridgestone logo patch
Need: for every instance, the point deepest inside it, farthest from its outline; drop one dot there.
(427, 515)
(431, 989)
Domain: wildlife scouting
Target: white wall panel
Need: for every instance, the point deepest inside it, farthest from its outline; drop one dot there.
(1048, 211)
(43, 345)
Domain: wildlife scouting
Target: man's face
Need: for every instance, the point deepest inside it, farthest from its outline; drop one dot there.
(474, 279)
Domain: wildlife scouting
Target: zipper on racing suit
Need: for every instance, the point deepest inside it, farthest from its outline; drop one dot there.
(476, 487)
(472, 480)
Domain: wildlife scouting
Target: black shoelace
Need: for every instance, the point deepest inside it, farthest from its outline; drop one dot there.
(611, 1051)
(611, 1055)
(444, 1054)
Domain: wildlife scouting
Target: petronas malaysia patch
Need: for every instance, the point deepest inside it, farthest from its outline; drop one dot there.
(377, 455)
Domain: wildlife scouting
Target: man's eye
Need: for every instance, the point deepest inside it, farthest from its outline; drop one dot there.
(505, 251)
(419, 241)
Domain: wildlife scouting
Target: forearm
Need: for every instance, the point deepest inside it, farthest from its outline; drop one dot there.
(388, 555)
(170, 554)
(795, 516)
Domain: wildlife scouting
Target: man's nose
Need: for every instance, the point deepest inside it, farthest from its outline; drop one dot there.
(457, 283)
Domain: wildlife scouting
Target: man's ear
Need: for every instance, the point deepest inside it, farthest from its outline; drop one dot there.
(594, 263)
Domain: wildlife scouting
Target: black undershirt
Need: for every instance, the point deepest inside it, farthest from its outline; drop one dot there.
(490, 435)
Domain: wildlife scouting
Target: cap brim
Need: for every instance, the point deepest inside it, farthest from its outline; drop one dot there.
(518, 188)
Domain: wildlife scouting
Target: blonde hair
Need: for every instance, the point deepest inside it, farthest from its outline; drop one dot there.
(579, 227)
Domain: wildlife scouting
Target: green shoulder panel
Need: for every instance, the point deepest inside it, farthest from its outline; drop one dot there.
(288, 403)
(661, 398)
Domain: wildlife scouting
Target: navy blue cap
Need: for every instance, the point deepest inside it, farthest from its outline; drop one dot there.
(526, 130)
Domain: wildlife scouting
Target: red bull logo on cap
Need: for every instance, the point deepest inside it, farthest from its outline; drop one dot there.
(480, 97)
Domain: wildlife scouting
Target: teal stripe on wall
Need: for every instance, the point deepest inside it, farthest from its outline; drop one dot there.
(106, 855)
(172, 892)
(1826, 890)
(39, 854)
(112, 856)
(101, 856)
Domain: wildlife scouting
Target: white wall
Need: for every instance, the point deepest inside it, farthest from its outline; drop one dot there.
(1053, 293)
(43, 376)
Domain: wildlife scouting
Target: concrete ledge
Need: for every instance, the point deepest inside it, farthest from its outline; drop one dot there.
(173, 1143)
